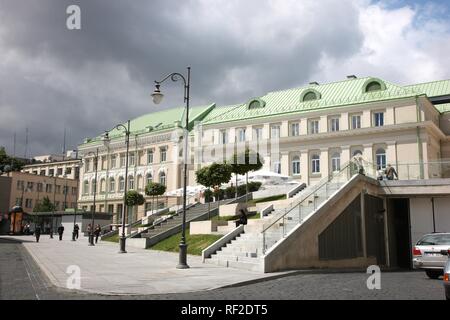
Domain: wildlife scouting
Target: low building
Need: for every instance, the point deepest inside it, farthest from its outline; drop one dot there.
(69, 168)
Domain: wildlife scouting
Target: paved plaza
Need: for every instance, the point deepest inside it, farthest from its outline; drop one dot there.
(138, 272)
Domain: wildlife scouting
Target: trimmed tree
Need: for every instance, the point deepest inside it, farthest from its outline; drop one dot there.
(213, 176)
(44, 206)
(243, 163)
(155, 189)
(133, 199)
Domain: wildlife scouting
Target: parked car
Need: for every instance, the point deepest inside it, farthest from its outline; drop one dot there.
(430, 254)
(447, 277)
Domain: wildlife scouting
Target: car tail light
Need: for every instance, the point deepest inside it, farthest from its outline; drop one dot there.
(446, 277)
(416, 252)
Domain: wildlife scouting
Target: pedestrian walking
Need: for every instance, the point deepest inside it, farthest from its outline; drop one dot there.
(97, 232)
(76, 230)
(37, 232)
(89, 232)
(390, 172)
(60, 231)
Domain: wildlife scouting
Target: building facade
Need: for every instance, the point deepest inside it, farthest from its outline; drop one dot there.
(306, 133)
(68, 168)
(26, 190)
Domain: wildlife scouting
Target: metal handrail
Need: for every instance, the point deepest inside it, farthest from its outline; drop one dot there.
(317, 186)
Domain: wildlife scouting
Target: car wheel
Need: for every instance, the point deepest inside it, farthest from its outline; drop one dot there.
(433, 274)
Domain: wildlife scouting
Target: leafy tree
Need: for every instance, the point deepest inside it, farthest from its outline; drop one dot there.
(44, 206)
(155, 189)
(8, 163)
(134, 198)
(245, 162)
(212, 177)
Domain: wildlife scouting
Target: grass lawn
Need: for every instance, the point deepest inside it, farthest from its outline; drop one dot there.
(113, 238)
(196, 243)
(267, 199)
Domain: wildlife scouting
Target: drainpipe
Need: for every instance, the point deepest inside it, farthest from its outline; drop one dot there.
(419, 140)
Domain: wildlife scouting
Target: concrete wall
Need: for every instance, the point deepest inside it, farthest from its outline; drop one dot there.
(421, 215)
(300, 249)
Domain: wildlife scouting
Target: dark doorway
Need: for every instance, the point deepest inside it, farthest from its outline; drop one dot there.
(399, 233)
(375, 229)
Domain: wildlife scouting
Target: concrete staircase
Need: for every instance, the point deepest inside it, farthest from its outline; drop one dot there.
(247, 250)
(172, 225)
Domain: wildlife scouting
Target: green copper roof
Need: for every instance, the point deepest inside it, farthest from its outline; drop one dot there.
(445, 107)
(432, 89)
(160, 121)
(333, 95)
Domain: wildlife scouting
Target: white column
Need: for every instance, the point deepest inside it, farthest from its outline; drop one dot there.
(366, 120)
(304, 166)
(368, 152)
(324, 162)
(303, 127)
(389, 116)
(323, 124)
(343, 121)
(284, 161)
(284, 129)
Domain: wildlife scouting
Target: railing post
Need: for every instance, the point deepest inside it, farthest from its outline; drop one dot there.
(299, 213)
(284, 226)
(264, 242)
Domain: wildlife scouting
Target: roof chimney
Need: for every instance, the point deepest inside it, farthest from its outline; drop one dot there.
(352, 76)
(314, 83)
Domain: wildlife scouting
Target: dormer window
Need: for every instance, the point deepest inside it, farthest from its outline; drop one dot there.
(310, 95)
(373, 85)
(256, 103)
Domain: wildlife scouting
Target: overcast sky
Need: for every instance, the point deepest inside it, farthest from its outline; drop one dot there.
(91, 79)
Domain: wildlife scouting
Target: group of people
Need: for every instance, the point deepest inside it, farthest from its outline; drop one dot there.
(389, 172)
(76, 229)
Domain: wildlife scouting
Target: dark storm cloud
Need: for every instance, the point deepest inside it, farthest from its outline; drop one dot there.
(88, 80)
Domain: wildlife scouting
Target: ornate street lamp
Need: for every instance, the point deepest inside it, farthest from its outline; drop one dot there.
(157, 98)
(91, 234)
(106, 140)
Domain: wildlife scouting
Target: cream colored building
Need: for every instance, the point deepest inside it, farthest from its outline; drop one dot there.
(68, 168)
(305, 133)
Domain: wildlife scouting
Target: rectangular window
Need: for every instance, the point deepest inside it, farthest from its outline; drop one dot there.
(336, 164)
(59, 171)
(295, 129)
(113, 161)
(29, 203)
(241, 135)
(51, 172)
(257, 133)
(19, 202)
(68, 171)
(223, 136)
(315, 164)
(277, 167)
(275, 131)
(378, 118)
(149, 156)
(110, 208)
(30, 186)
(58, 189)
(48, 188)
(20, 185)
(163, 154)
(314, 126)
(122, 160)
(356, 121)
(334, 124)
(132, 159)
(40, 187)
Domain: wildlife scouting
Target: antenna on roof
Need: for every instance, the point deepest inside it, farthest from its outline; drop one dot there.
(315, 83)
(352, 76)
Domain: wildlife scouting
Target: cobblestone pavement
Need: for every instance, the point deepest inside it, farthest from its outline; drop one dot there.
(21, 278)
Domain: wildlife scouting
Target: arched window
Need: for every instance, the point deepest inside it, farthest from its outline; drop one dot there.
(381, 159)
(149, 178)
(315, 163)
(336, 162)
(112, 185)
(130, 183)
(357, 153)
(102, 186)
(93, 186)
(296, 165)
(162, 178)
(310, 95)
(256, 103)
(85, 187)
(121, 184)
(373, 84)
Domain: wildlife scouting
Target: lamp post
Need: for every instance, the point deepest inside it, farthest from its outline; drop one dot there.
(157, 98)
(91, 234)
(53, 206)
(106, 141)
